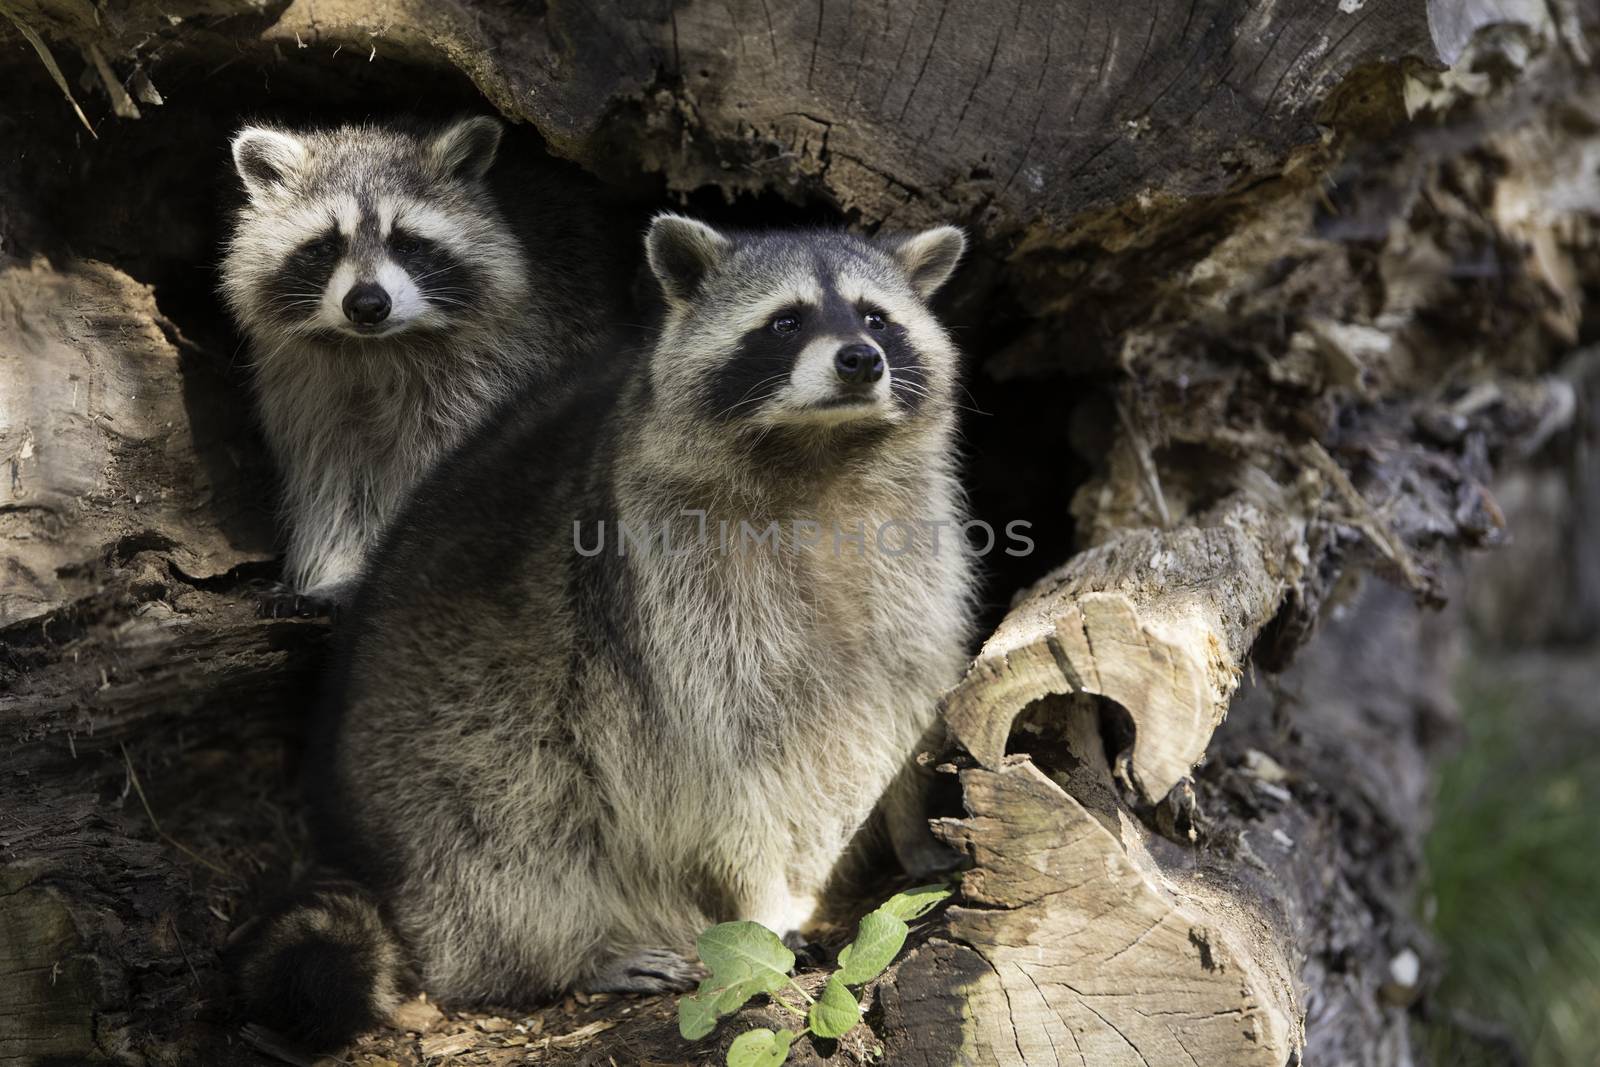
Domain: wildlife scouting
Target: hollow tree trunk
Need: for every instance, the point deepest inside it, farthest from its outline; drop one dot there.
(1289, 287)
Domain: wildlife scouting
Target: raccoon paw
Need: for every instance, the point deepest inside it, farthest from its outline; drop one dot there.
(651, 970)
(282, 602)
(925, 858)
(807, 953)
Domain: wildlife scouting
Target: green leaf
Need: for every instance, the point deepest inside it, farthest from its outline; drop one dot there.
(699, 1011)
(836, 1011)
(878, 939)
(697, 1014)
(731, 998)
(745, 952)
(916, 902)
(744, 958)
(760, 1048)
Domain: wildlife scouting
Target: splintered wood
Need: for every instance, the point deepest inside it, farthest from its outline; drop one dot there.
(1068, 951)
(1157, 621)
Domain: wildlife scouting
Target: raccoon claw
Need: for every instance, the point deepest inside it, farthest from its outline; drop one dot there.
(651, 970)
(807, 953)
(287, 604)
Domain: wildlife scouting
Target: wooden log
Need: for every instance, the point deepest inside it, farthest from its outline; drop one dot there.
(1085, 938)
(1114, 623)
(1035, 121)
(132, 520)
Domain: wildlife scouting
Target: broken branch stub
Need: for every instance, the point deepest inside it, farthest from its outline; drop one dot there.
(1159, 621)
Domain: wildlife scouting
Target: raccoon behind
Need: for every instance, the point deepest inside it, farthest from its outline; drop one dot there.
(389, 307)
(551, 766)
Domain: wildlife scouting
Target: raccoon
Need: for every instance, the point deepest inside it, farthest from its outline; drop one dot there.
(388, 307)
(550, 764)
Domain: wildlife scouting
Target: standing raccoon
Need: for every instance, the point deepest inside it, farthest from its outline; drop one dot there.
(389, 307)
(550, 764)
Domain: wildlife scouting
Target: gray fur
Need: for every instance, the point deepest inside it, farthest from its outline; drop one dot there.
(355, 420)
(557, 770)
(324, 969)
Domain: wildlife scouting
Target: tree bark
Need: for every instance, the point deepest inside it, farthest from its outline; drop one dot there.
(1289, 288)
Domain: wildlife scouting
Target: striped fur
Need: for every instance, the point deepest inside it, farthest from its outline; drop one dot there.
(354, 415)
(553, 768)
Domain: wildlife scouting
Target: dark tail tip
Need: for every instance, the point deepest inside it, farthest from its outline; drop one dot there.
(323, 969)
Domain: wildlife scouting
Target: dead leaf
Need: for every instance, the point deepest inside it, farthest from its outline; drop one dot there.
(447, 1044)
(582, 1034)
(417, 1016)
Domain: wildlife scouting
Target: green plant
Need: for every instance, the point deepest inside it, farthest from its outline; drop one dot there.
(1513, 866)
(746, 959)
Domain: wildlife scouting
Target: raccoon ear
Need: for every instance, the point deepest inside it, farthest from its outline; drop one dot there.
(268, 160)
(464, 150)
(930, 257)
(681, 252)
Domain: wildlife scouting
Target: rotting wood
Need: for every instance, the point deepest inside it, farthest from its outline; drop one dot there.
(1083, 937)
(1031, 120)
(1161, 622)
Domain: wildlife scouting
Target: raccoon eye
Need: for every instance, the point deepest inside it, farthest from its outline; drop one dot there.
(324, 248)
(407, 246)
(875, 320)
(785, 324)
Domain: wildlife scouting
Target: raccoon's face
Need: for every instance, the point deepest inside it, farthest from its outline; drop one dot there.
(807, 330)
(366, 232)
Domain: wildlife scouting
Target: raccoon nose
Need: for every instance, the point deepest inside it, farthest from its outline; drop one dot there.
(858, 364)
(366, 304)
